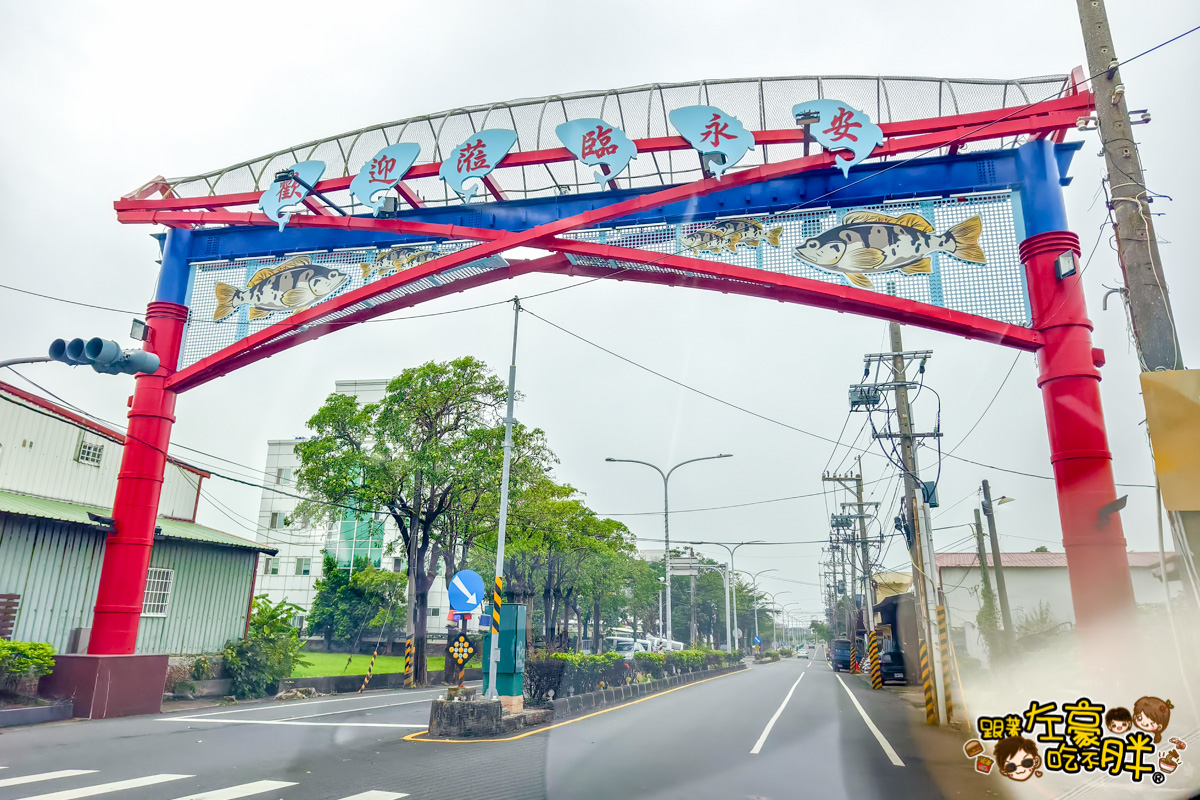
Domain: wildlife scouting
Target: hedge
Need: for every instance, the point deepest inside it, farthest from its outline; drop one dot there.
(21, 661)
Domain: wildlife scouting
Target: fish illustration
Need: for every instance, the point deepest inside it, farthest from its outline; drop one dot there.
(840, 126)
(475, 158)
(594, 142)
(396, 259)
(292, 286)
(283, 198)
(704, 240)
(382, 172)
(869, 243)
(749, 232)
(710, 130)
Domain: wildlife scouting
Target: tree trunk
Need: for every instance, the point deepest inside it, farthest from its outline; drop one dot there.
(421, 624)
(596, 625)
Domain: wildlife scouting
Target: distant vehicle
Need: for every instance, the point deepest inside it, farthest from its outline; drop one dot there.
(657, 644)
(891, 666)
(801, 652)
(840, 654)
(625, 646)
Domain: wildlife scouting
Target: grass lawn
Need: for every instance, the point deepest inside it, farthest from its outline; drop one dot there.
(322, 664)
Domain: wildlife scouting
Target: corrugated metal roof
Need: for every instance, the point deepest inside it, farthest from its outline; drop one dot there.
(1136, 559)
(29, 506)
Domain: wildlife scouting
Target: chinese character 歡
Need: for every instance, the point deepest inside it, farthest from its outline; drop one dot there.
(603, 138)
(288, 190)
(381, 169)
(1044, 715)
(472, 157)
(841, 125)
(1083, 722)
(716, 129)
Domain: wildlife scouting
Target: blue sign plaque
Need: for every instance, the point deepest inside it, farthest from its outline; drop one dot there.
(840, 126)
(466, 590)
(594, 142)
(383, 172)
(710, 130)
(283, 198)
(475, 158)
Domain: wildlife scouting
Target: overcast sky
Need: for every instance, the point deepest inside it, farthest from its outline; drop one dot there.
(99, 98)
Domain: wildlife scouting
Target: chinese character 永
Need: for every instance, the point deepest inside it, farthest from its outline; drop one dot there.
(382, 169)
(472, 157)
(716, 129)
(841, 125)
(598, 143)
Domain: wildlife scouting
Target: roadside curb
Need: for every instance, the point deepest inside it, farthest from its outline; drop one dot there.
(565, 707)
(35, 715)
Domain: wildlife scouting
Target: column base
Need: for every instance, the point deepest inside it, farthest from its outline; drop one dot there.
(105, 686)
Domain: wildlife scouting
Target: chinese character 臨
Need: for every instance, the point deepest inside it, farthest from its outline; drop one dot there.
(598, 143)
(1137, 748)
(381, 169)
(1043, 715)
(1083, 722)
(841, 125)
(288, 190)
(472, 157)
(716, 129)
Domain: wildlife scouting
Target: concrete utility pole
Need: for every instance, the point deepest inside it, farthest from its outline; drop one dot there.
(410, 622)
(990, 513)
(1145, 292)
(855, 483)
(983, 572)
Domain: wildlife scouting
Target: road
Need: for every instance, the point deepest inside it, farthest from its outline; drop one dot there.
(775, 731)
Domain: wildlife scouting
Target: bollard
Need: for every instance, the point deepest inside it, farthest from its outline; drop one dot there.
(370, 669)
(409, 677)
(931, 711)
(873, 655)
(943, 643)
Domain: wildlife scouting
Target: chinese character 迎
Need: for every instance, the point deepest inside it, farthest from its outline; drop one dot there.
(716, 129)
(472, 157)
(1043, 715)
(991, 727)
(1137, 748)
(288, 190)
(1083, 722)
(603, 138)
(381, 169)
(841, 125)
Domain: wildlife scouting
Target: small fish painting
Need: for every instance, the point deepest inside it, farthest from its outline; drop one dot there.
(382, 172)
(868, 243)
(595, 143)
(710, 130)
(840, 126)
(396, 259)
(704, 241)
(284, 198)
(749, 232)
(475, 158)
(292, 286)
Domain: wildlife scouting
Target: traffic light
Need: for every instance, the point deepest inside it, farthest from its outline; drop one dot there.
(103, 355)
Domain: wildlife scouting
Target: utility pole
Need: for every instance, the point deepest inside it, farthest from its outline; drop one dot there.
(990, 513)
(983, 573)
(1145, 290)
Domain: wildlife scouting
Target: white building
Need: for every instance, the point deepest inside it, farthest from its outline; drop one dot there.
(1037, 587)
(292, 574)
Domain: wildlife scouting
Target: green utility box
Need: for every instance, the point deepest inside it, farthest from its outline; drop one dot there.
(510, 672)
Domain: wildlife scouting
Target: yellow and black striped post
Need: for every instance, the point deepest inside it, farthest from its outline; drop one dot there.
(943, 643)
(409, 677)
(931, 710)
(370, 669)
(873, 655)
(853, 658)
(496, 602)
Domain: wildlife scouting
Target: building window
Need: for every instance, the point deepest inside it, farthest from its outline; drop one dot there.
(433, 612)
(283, 475)
(303, 566)
(90, 453)
(158, 592)
(278, 520)
(270, 566)
(397, 565)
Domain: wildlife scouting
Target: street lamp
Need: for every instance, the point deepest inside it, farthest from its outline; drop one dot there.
(724, 570)
(666, 476)
(774, 626)
(754, 595)
(733, 583)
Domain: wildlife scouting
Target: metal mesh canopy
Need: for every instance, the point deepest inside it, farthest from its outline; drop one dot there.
(641, 111)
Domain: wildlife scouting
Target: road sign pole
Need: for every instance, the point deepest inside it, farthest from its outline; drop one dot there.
(508, 443)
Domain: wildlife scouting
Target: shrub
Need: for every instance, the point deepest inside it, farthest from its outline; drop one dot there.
(653, 664)
(203, 668)
(786, 652)
(573, 673)
(270, 651)
(543, 675)
(22, 661)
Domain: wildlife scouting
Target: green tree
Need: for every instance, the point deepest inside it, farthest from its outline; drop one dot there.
(270, 651)
(341, 610)
(821, 632)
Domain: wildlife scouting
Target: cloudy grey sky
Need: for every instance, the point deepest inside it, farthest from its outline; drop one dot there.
(99, 98)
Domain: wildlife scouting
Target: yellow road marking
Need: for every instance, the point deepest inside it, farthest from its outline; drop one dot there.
(412, 737)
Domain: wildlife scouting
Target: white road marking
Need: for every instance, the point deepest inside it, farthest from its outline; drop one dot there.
(306, 703)
(244, 790)
(887, 747)
(771, 724)
(296, 722)
(105, 788)
(44, 776)
(375, 794)
(350, 710)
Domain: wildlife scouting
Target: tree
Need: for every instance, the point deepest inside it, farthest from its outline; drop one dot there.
(821, 632)
(1041, 548)
(340, 609)
(270, 651)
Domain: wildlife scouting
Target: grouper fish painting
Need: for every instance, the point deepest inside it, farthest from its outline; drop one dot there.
(869, 243)
(292, 286)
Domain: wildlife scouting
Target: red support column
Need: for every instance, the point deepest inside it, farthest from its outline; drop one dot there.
(139, 484)
(1070, 382)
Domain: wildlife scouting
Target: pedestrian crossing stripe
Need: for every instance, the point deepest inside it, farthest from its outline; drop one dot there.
(225, 793)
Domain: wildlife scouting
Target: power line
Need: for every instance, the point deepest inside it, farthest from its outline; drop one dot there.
(988, 407)
(64, 300)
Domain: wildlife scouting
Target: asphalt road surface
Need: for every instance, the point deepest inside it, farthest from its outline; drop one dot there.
(780, 730)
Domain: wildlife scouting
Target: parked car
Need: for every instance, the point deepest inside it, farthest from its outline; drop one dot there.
(840, 654)
(891, 667)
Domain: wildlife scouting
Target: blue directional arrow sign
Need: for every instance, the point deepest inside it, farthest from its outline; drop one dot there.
(466, 590)
(757, 639)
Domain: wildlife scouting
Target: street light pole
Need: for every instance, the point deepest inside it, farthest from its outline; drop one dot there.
(754, 590)
(774, 602)
(666, 477)
(733, 581)
(997, 566)
(724, 570)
